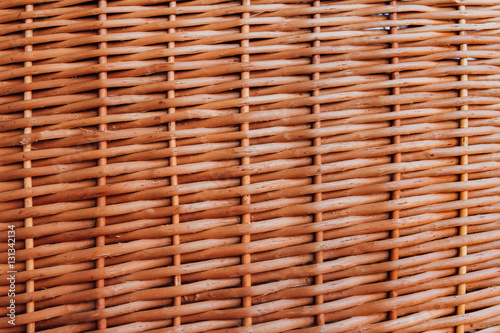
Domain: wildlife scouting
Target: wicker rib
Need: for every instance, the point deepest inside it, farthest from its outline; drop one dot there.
(28, 182)
(101, 201)
(464, 195)
(393, 275)
(173, 162)
(245, 180)
(317, 180)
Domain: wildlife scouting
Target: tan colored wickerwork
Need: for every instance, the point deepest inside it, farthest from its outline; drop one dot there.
(250, 166)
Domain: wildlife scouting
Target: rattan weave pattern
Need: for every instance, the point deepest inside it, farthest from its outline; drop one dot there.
(250, 166)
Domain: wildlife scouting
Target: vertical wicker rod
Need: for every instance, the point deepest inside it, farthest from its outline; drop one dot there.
(396, 158)
(318, 217)
(101, 181)
(464, 177)
(176, 239)
(245, 180)
(28, 181)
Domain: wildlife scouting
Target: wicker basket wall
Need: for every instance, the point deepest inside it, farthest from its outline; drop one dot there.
(250, 166)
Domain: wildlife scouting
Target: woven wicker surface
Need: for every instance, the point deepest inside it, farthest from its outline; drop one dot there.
(250, 166)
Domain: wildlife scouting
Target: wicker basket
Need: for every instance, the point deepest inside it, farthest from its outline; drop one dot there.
(250, 166)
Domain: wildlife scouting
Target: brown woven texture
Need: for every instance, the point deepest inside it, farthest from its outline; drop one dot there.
(250, 166)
